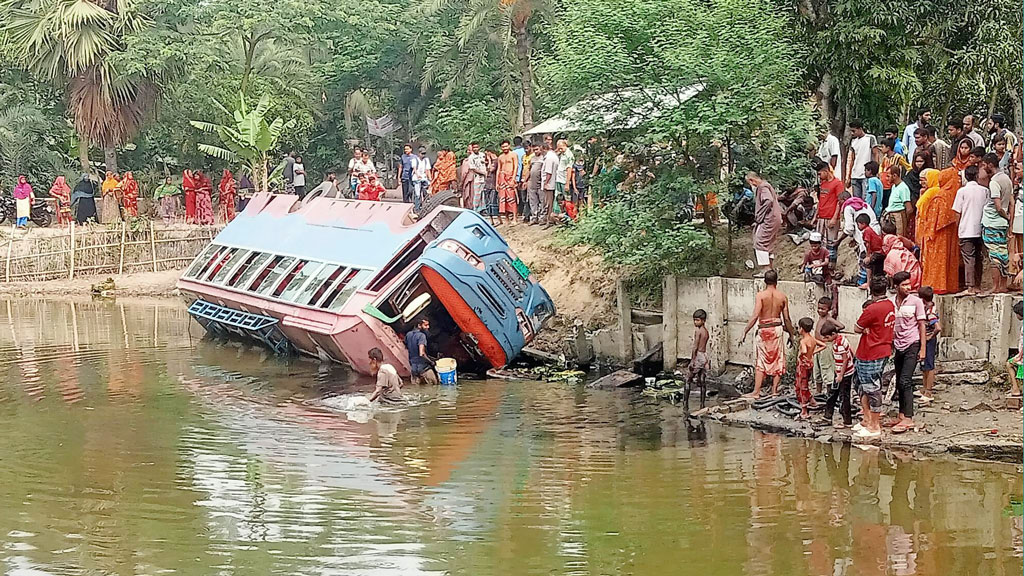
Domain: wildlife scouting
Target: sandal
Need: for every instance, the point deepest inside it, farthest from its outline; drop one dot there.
(901, 428)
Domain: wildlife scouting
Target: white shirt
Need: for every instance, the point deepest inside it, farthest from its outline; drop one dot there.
(909, 143)
(300, 174)
(478, 166)
(829, 148)
(850, 227)
(550, 169)
(420, 169)
(970, 204)
(363, 167)
(861, 155)
(1018, 216)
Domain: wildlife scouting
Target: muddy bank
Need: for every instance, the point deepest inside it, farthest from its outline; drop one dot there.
(964, 420)
(153, 284)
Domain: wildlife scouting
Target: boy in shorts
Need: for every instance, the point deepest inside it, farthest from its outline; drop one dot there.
(809, 346)
(698, 358)
(932, 328)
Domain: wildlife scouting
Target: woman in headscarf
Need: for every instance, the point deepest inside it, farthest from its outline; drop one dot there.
(962, 159)
(110, 205)
(130, 196)
(226, 198)
(188, 182)
(204, 199)
(444, 171)
(23, 201)
(61, 192)
(83, 200)
(166, 197)
(937, 231)
(922, 161)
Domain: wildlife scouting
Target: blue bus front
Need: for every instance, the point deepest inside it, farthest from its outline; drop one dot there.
(497, 287)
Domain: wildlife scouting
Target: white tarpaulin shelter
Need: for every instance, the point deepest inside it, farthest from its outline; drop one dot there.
(608, 111)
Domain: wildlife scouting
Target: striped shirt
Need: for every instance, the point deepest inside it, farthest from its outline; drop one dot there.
(841, 351)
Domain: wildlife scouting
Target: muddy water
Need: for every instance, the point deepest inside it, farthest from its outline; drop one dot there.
(130, 446)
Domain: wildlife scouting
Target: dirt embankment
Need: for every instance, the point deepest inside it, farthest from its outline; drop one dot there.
(581, 286)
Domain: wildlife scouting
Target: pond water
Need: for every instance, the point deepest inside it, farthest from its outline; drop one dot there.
(129, 445)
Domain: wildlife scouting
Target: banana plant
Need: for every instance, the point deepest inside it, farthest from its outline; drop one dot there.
(248, 139)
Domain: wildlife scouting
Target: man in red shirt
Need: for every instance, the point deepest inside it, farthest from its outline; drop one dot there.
(829, 189)
(875, 327)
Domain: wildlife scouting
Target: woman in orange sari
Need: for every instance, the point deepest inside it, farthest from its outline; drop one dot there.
(130, 195)
(226, 196)
(444, 171)
(61, 192)
(937, 231)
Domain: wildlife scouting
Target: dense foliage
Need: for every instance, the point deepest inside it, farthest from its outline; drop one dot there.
(687, 90)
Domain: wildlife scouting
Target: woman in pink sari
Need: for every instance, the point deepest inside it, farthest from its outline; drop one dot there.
(61, 192)
(898, 255)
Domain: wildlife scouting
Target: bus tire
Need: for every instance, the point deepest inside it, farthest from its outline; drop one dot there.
(445, 198)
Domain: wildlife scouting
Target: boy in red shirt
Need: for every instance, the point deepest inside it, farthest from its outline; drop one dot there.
(874, 258)
(875, 326)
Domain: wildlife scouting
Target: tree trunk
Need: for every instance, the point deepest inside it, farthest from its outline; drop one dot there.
(824, 95)
(992, 100)
(83, 153)
(525, 73)
(110, 158)
(1018, 106)
(250, 48)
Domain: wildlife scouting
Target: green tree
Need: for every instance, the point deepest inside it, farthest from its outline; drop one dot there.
(248, 138)
(74, 43)
(488, 35)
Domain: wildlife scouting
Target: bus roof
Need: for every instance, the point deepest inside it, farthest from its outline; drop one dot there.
(360, 233)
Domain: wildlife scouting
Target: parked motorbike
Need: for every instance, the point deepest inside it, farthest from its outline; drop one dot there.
(41, 212)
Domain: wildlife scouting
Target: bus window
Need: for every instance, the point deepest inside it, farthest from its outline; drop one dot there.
(229, 265)
(203, 259)
(274, 273)
(353, 282)
(299, 278)
(322, 280)
(245, 273)
(218, 263)
(263, 272)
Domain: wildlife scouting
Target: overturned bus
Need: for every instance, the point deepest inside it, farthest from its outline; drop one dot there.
(334, 278)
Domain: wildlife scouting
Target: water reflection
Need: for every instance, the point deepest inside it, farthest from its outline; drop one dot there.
(131, 446)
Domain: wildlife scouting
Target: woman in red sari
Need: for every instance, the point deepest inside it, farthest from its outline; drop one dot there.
(226, 197)
(61, 192)
(130, 195)
(204, 199)
(188, 184)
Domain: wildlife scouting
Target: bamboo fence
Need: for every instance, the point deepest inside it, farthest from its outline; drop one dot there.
(90, 251)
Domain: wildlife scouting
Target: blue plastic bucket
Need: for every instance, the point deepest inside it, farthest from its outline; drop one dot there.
(446, 371)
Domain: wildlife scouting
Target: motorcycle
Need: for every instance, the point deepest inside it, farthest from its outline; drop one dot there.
(41, 213)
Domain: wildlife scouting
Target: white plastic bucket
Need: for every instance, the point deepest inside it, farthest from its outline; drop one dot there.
(446, 371)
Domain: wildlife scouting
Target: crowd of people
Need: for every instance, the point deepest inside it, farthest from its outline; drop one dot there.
(116, 198)
(535, 183)
(935, 209)
(923, 216)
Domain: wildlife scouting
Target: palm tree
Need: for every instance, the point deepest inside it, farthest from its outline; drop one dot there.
(496, 28)
(249, 138)
(70, 42)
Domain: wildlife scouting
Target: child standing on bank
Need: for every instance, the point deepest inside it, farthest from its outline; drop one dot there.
(698, 358)
(875, 327)
(932, 328)
(842, 354)
(823, 366)
(809, 346)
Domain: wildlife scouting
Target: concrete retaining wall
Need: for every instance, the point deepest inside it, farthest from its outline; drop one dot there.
(974, 330)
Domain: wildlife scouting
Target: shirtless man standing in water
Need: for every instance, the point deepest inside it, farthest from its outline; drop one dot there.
(771, 314)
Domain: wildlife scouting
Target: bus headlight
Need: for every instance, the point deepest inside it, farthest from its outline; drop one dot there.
(462, 252)
(525, 326)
